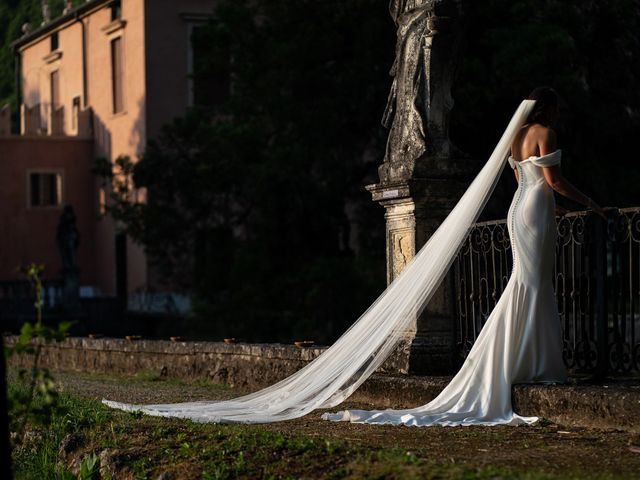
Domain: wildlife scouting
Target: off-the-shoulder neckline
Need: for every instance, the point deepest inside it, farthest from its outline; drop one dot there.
(536, 157)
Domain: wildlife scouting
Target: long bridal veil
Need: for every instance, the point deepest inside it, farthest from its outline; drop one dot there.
(343, 367)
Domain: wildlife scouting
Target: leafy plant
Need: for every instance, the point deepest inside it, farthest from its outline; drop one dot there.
(89, 467)
(21, 405)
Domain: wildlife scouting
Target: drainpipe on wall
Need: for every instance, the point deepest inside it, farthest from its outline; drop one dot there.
(15, 126)
(85, 92)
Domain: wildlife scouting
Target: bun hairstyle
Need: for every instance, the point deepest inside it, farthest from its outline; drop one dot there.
(546, 105)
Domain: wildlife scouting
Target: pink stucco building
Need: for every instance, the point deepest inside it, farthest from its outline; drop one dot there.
(97, 81)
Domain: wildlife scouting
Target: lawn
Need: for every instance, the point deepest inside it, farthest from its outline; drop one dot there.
(86, 438)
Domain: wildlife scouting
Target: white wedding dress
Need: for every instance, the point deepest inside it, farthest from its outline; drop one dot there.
(520, 342)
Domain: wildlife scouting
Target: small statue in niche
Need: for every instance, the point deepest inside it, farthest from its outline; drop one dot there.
(68, 239)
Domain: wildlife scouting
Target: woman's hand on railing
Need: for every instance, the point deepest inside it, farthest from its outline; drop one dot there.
(611, 211)
(597, 209)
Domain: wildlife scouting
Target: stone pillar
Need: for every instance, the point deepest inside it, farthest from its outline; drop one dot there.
(68, 240)
(70, 290)
(423, 174)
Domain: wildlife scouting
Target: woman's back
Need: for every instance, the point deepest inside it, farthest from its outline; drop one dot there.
(533, 139)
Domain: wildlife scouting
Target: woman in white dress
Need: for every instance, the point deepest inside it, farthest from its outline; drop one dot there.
(520, 342)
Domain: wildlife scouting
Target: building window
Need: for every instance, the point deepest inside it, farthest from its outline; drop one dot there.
(116, 10)
(55, 89)
(117, 74)
(45, 189)
(54, 41)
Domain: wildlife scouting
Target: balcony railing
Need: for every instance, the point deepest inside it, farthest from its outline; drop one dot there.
(48, 120)
(17, 298)
(94, 314)
(597, 285)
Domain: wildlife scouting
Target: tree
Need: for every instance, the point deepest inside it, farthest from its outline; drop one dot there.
(589, 52)
(14, 14)
(248, 193)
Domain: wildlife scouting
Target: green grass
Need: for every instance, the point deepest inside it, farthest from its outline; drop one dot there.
(151, 445)
(37, 457)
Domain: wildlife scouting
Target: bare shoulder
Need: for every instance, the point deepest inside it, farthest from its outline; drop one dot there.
(542, 132)
(545, 137)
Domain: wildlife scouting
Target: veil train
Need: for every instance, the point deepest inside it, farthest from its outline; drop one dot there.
(342, 368)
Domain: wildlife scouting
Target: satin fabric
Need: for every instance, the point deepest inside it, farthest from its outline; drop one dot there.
(521, 341)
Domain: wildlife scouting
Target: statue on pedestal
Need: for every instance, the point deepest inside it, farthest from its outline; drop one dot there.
(68, 240)
(423, 175)
(68, 6)
(46, 12)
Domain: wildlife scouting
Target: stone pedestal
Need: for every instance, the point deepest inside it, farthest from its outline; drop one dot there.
(423, 174)
(71, 290)
(414, 210)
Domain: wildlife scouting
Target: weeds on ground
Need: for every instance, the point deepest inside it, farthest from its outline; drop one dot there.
(37, 455)
(152, 445)
(37, 402)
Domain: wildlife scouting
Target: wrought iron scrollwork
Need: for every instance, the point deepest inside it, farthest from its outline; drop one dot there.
(597, 337)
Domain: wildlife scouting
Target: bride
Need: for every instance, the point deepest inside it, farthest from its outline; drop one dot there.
(521, 341)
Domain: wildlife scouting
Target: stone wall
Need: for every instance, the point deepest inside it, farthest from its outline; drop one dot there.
(254, 366)
(243, 365)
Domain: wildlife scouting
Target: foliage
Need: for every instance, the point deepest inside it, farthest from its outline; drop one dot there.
(37, 403)
(14, 14)
(37, 455)
(248, 193)
(251, 196)
(89, 467)
(589, 52)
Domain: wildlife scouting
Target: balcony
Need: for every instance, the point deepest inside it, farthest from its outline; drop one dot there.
(43, 119)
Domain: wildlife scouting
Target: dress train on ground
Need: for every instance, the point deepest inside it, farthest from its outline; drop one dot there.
(521, 341)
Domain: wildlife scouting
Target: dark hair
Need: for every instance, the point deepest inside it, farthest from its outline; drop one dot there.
(546, 101)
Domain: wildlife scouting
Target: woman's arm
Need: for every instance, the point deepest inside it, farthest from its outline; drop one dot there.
(554, 178)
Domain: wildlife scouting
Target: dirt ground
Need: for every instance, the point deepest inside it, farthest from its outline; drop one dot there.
(549, 447)
(545, 447)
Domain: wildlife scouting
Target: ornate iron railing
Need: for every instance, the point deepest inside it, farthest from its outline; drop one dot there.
(597, 285)
(18, 295)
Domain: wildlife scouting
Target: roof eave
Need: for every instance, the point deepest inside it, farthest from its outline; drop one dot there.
(58, 21)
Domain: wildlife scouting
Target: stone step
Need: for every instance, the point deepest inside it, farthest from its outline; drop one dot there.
(611, 405)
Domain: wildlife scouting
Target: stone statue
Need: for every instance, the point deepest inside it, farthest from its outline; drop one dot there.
(420, 98)
(67, 239)
(423, 175)
(46, 12)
